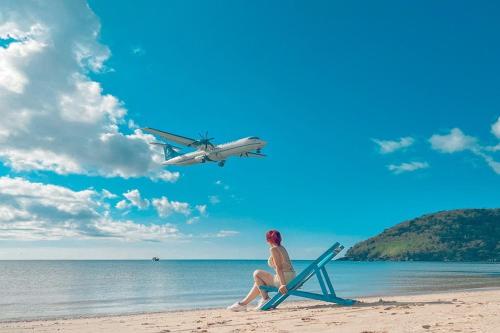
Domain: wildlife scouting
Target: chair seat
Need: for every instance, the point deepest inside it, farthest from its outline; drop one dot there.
(269, 288)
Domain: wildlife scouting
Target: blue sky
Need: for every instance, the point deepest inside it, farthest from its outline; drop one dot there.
(374, 113)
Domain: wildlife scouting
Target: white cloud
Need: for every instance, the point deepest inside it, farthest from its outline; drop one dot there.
(37, 211)
(28, 42)
(39, 159)
(202, 209)
(221, 234)
(180, 207)
(407, 167)
(220, 183)
(134, 197)
(165, 207)
(226, 233)
(193, 220)
(494, 165)
(105, 194)
(495, 128)
(165, 175)
(390, 146)
(55, 117)
(493, 148)
(138, 50)
(122, 204)
(457, 141)
(453, 142)
(214, 200)
(87, 104)
(139, 232)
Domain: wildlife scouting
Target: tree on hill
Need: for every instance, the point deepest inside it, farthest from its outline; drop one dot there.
(456, 235)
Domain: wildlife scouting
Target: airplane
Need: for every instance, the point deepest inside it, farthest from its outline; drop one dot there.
(206, 151)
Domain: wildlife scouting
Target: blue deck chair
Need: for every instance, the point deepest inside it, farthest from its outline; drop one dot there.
(316, 268)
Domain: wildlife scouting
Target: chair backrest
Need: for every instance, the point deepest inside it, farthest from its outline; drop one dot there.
(310, 270)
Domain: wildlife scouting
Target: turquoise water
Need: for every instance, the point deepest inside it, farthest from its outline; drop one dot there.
(39, 289)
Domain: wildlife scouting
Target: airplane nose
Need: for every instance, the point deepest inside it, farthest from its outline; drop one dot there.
(263, 143)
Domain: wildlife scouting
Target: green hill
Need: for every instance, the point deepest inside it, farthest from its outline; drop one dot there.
(456, 235)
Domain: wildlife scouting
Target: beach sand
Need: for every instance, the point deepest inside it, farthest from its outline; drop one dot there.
(466, 311)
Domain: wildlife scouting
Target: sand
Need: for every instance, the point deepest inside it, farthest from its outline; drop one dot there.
(467, 311)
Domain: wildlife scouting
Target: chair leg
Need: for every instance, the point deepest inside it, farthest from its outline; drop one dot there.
(274, 301)
(328, 282)
(321, 282)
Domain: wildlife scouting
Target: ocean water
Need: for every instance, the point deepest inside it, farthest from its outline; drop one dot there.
(47, 289)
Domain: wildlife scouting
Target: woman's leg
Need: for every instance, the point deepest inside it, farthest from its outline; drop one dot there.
(261, 278)
(252, 294)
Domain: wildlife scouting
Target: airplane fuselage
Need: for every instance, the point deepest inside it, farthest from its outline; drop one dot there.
(219, 152)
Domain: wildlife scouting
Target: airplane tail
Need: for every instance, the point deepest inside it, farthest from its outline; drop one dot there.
(168, 150)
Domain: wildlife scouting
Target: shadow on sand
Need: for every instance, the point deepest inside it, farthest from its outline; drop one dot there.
(380, 302)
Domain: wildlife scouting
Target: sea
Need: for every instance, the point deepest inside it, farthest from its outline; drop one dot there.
(73, 288)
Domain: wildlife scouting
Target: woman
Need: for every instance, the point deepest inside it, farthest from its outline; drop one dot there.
(280, 262)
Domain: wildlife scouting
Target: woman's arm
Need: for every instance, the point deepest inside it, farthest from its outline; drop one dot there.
(278, 262)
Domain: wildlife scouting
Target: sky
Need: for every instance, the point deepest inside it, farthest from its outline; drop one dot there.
(374, 113)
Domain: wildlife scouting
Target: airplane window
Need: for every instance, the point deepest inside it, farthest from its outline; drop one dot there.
(253, 138)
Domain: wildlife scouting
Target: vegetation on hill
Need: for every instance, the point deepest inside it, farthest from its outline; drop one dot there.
(456, 235)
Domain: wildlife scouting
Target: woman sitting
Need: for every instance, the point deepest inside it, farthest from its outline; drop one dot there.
(280, 262)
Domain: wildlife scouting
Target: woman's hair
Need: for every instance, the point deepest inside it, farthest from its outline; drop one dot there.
(274, 237)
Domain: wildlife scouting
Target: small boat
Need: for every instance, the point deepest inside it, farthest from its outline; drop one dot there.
(156, 259)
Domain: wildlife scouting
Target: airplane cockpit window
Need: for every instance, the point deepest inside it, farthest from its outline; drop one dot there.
(253, 138)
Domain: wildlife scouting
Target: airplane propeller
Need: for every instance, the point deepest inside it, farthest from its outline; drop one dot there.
(205, 141)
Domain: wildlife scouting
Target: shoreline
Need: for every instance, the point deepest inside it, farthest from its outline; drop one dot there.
(289, 301)
(479, 305)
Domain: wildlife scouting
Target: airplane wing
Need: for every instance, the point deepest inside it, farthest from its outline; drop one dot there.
(250, 154)
(173, 137)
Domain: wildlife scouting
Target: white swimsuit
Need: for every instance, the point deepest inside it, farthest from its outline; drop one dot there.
(288, 270)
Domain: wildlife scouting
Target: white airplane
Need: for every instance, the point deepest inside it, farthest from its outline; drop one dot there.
(206, 151)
